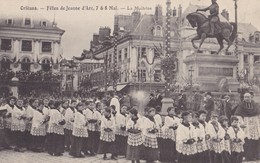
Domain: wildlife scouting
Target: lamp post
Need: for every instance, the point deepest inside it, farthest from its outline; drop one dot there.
(105, 81)
(115, 59)
(236, 39)
(168, 62)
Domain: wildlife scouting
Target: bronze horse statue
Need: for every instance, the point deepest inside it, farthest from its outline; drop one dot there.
(226, 31)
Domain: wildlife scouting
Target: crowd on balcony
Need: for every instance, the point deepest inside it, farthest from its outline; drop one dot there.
(28, 76)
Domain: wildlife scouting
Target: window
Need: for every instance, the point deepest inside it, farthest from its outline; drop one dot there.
(110, 61)
(126, 76)
(141, 52)
(26, 45)
(213, 52)
(120, 77)
(26, 65)
(120, 55)
(125, 57)
(5, 64)
(257, 38)
(46, 65)
(158, 31)
(156, 53)
(27, 21)
(142, 75)
(44, 24)
(46, 47)
(9, 21)
(6, 44)
(245, 58)
(256, 58)
(157, 76)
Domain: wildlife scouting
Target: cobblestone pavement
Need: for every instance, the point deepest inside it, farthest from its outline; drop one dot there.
(9, 156)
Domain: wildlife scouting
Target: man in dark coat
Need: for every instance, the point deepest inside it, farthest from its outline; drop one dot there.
(152, 102)
(249, 111)
(209, 105)
(182, 102)
(158, 98)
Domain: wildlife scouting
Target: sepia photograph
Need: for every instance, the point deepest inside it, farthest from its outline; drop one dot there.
(130, 81)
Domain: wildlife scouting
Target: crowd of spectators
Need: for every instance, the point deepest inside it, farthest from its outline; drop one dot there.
(29, 76)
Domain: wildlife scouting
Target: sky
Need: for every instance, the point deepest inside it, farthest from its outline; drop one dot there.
(79, 25)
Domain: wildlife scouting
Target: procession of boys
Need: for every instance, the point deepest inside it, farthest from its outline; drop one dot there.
(117, 130)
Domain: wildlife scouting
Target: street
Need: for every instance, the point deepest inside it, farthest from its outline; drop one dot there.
(9, 156)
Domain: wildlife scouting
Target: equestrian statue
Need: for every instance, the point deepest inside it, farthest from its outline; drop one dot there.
(211, 27)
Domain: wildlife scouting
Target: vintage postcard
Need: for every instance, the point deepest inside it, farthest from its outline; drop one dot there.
(130, 81)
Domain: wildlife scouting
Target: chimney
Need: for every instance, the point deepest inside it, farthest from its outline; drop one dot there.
(225, 14)
(116, 24)
(180, 12)
(158, 15)
(104, 32)
(95, 39)
(174, 12)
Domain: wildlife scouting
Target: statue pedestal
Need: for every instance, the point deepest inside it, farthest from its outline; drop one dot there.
(211, 71)
(166, 102)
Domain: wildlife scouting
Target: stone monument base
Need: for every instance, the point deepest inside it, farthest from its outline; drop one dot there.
(166, 103)
(212, 72)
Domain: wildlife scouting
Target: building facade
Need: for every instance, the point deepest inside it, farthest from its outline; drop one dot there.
(78, 76)
(140, 47)
(30, 50)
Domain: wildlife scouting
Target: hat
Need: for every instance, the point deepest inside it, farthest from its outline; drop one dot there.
(12, 98)
(108, 109)
(222, 119)
(51, 102)
(133, 111)
(209, 93)
(149, 109)
(184, 114)
(170, 108)
(56, 104)
(202, 112)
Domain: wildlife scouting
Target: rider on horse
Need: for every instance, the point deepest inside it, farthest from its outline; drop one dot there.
(213, 17)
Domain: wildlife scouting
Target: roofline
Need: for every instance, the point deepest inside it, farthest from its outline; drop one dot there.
(43, 30)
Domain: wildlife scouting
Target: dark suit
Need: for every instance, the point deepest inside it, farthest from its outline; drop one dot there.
(152, 103)
(209, 107)
(182, 104)
(250, 110)
(226, 109)
(159, 100)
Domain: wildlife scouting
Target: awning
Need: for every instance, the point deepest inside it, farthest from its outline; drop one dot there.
(110, 88)
(120, 87)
